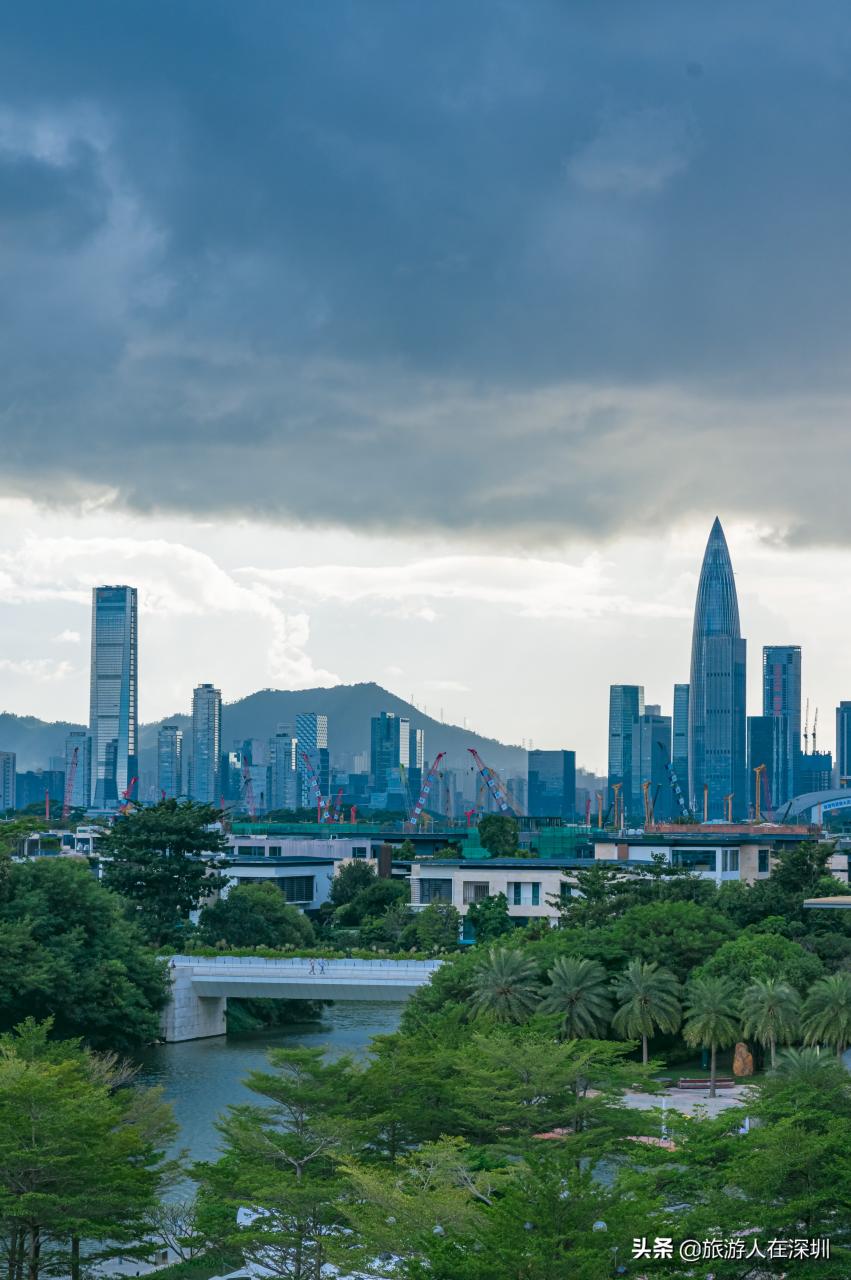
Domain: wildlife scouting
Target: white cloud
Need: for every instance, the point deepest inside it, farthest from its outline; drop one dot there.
(67, 637)
(42, 670)
(633, 154)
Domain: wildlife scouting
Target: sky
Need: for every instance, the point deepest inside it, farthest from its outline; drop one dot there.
(421, 343)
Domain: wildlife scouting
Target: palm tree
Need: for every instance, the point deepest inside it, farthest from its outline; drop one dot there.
(649, 1001)
(826, 1017)
(771, 1011)
(711, 1020)
(579, 991)
(505, 984)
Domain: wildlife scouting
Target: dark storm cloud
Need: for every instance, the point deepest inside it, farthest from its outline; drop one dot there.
(500, 266)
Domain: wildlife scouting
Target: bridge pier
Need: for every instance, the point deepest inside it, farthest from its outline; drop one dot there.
(189, 1016)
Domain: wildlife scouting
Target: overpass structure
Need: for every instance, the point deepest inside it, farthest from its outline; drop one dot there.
(200, 986)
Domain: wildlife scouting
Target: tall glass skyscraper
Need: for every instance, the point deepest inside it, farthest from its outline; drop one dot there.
(843, 742)
(311, 731)
(170, 762)
(781, 699)
(206, 743)
(389, 747)
(679, 749)
(551, 789)
(626, 704)
(114, 693)
(717, 715)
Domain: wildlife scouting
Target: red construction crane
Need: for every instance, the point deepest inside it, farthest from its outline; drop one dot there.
(336, 812)
(69, 784)
(504, 800)
(127, 796)
(322, 812)
(426, 787)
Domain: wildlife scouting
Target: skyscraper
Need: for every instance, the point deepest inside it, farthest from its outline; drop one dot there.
(626, 704)
(679, 745)
(717, 726)
(389, 747)
(781, 698)
(8, 778)
(78, 740)
(206, 743)
(170, 762)
(843, 742)
(114, 693)
(651, 751)
(282, 770)
(552, 785)
(311, 730)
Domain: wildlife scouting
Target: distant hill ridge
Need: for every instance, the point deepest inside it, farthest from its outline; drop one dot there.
(349, 708)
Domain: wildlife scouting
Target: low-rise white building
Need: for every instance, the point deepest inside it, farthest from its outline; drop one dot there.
(532, 886)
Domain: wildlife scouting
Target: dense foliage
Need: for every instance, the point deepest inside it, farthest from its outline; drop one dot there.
(254, 915)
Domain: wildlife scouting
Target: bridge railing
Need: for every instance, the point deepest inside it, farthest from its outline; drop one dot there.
(300, 962)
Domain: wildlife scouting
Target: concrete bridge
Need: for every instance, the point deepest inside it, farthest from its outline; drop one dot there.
(200, 986)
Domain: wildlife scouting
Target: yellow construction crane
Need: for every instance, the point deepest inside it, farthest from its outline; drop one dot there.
(728, 806)
(759, 770)
(616, 790)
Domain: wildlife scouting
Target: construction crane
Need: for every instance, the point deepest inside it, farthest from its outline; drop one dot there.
(599, 795)
(322, 813)
(675, 782)
(728, 806)
(807, 727)
(815, 726)
(69, 784)
(336, 812)
(616, 792)
(648, 808)
(495, 785)
(426, 787)
(248, 790)
(758, 772)
(127, 796)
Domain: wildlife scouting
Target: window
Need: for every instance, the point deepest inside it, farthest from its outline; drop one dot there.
(297, 888)
(475, 891)
(359, 851)
(524, 893)
(246, 851)
(763, 862)
(274, 851)
(434, 890)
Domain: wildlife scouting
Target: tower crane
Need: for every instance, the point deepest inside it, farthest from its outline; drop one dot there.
(322, 813)
(69, 784)
(759, 771)
(815, 726)
(675, 782)
(504, 800)
(127, 796)
(807, 727)
(426, 787)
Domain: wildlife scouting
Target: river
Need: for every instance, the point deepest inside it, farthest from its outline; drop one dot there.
(203, 1077)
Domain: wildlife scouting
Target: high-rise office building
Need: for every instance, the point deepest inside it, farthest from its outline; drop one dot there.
(416, 749)
(768, 744)
(651, 751)
(282, 770)
(170, 762)
(389, 747)
(626, 704)
(843, 743)
(679, 736)
(781, 697)
(79, 741)
(8, 766)
(206, 744)
(717, 746)
(551, 788)
(114, 694)
(311, 730)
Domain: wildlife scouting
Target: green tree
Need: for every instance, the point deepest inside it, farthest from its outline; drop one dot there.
(649, 1000)
(280, 1157)
(711, 1019)
(579, 993)
(826, 1015)
(754, 954)
(371, 902)
(350, 880)
(771, 1011)
(436, 928)
(506, 985)
(162, 860)
(678, 935)
(81, 1160)
(489, 919)
(499, 835)
(67, 951)
(254, 915)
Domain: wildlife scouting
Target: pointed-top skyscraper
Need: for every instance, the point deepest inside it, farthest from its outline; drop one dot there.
(717, 713)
